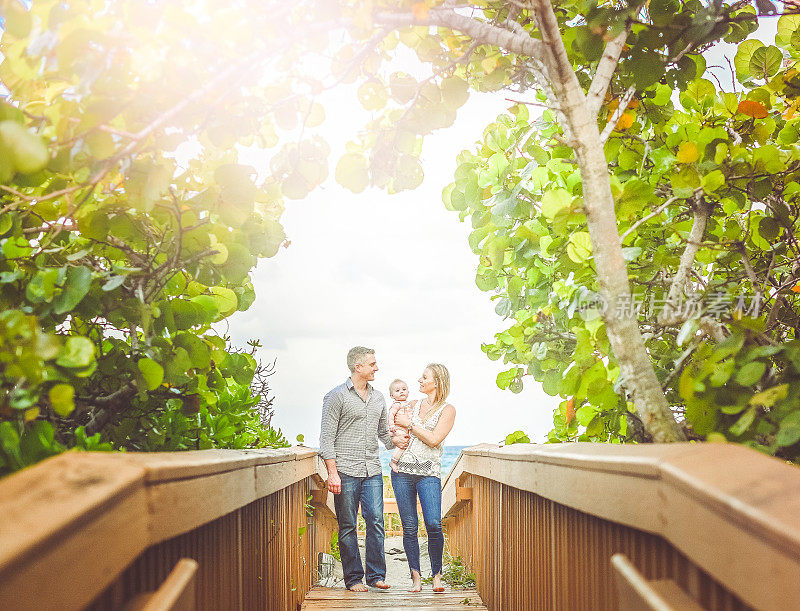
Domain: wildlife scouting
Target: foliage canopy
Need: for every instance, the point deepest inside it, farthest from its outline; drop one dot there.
(129, 225)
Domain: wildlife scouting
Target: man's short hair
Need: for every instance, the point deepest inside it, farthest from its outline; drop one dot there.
(356, 356)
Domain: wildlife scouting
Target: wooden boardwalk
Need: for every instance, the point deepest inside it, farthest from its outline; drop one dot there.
(340, 599)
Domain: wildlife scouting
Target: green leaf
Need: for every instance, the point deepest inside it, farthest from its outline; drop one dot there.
(554, 201)
(585, 414)
(765, 62)
(62, 399)
(579, 248)
(789, 431)
(236, 184)
(76, 286)
(237, 266)
(152, 372)
(712, 181)
(701, 414)
(517, 437)
(114, 282)
(768, 397)
(372, 95)
(744, 54)
(9, 444)
(28, 151)
(77, 352)
(647, 68)
(787, 25)
(662, 12)
(455, 92)
(225, 300)
(351, 172)
(196, 348)
(740, 427)
(750, 373)
(208, 305)
(504, 378)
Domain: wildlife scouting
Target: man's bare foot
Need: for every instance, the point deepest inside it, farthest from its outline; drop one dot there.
(358, 587)
(416, 582)
(380, 584)
(394, 465)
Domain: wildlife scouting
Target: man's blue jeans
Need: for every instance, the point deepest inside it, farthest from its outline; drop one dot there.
(429, 489)
(367, 491)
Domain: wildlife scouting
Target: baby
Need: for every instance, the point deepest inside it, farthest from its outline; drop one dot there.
(398, 390)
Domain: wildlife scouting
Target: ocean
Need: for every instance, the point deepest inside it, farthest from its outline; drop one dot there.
(449, 457)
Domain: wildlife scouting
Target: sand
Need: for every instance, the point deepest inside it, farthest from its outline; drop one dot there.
(397, 573)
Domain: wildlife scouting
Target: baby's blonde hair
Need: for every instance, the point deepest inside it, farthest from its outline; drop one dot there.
(395, 381)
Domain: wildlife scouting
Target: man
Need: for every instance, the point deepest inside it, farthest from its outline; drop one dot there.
(353, 419)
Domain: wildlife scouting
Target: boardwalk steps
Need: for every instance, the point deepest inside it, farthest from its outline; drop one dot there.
(339, 599)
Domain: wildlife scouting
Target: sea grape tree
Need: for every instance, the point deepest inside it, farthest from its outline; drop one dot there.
(129, 226)
(704, 179)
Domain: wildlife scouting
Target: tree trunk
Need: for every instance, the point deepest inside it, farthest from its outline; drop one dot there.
(580, 126)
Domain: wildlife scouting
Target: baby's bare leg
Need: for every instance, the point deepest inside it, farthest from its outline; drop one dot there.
(398, 452)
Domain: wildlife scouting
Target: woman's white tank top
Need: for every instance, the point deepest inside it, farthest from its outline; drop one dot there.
(419, 458)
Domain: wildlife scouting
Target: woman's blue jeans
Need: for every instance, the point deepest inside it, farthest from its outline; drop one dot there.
(407, 488)
(368, 491)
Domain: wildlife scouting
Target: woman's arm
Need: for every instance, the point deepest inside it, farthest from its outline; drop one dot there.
(440, 431)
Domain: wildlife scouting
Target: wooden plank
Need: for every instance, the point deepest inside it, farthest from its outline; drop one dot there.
(463, 494)
(743, 505)
(179, 506)
(635, 593)
(177, 593)
(165, 466)
(340, 598)
(51, 512)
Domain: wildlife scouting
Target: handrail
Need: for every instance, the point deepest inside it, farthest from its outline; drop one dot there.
(732, 511)
(117, 506)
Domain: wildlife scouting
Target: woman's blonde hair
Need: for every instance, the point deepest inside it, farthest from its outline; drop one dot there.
(441, 379)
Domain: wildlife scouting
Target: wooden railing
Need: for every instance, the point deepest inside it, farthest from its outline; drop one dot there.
(104, 531)
(712, 525)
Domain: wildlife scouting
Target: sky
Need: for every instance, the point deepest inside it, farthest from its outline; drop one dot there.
(395, 273)
(391, 272)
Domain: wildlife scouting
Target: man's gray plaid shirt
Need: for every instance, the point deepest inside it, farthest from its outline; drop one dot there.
(351, 428)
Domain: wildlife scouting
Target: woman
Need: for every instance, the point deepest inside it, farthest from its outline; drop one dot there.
(420, 469)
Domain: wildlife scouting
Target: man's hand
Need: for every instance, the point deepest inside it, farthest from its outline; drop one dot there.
(334, 482)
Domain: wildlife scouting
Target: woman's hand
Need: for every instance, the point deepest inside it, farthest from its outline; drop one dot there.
(402, 419)
(401, 441)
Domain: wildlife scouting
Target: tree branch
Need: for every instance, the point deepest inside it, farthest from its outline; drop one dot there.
(655, 212)
(605, 70)
(485, 33)
(612, 121)
(751, 274)
(669, 315)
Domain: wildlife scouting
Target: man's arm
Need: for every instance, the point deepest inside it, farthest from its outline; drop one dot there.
(331, 412)
(383, 429)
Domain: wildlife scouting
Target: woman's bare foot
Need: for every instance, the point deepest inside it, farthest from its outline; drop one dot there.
(416, 582)
(437, 583)
(358, 587)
